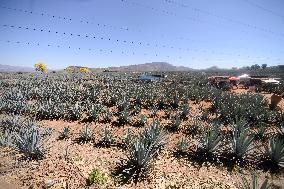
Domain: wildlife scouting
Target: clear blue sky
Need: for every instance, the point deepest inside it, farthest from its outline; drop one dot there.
(193, 33)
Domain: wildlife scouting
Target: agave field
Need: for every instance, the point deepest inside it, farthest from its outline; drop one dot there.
(109, 130)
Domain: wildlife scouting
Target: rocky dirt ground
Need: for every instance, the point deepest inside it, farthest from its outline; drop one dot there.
(68, 164)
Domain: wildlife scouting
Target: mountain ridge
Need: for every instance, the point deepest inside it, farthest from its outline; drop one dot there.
(8, 68)
(153, 66)
(145, 67)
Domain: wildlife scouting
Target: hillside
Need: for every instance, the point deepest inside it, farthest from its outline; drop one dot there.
(154, 66)
(8, 68)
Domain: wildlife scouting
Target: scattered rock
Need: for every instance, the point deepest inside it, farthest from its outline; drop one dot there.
(49, 183)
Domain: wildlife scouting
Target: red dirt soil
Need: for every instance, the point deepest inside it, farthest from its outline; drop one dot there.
(72, 170)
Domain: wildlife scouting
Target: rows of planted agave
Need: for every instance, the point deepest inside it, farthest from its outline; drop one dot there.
(237, 146)
(24, 135)
(235, 130)
(79, 98)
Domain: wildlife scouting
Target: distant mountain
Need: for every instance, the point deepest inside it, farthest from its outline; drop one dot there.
(7, 68)
(154, 66)
(213, 68)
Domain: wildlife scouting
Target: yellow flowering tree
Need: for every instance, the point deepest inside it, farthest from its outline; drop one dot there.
(70, 69)
(84, 70)
(40, 67)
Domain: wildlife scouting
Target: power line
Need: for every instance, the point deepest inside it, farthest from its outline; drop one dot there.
(92, 36)
(89, 37)
(98, 51)
(124, 41)
(263, 8)
(229, 20)
(176, 3)
(91, 50)
(55, 46)
(68, 19)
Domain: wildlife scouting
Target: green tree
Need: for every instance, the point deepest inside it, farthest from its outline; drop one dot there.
(263, 66)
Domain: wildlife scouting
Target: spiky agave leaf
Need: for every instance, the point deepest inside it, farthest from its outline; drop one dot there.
(260, 135)
(239, 126)
(86, 134)
(211, 141)
(168, 112)
(49, 109)
(11, 124)
(107, 137)
(123, 104)
(64, 133)
(154, 134)
(195, 127)
(161, 102)
(174, 125)
(142, 120)
(107, 116)
(93, 113)
(140, 155)
(142, 151)
(154, 110)
(30, 143)
(128, 138)
(6, 139)
(182, 145)
(253, 184)
(281, 130)
(275, 151)
(136, 110)
(184, 111)
(242, 143)
(74, 112)
(123, 117)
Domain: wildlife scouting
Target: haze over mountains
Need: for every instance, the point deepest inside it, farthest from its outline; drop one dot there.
(154, 66)
(8, 68)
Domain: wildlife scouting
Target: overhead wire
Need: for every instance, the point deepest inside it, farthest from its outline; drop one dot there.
(86, 36)
(85, 21)
(54, 45)
(194, 19)
(91, 36)
(68, 19)
(225, 18)
(123, 41)
(252, 3)
(93, 50)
